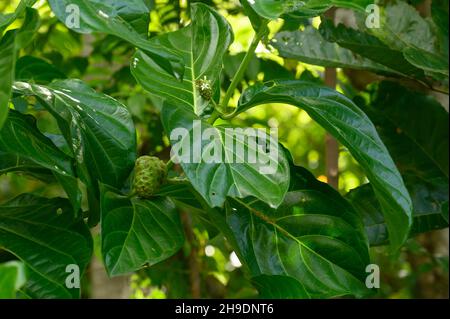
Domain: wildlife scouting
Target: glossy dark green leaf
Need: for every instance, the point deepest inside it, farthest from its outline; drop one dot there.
(12, 277)
(232, 174)
(29, 68)
(310, 47)
(368, 46)
(44, 235)
(428, 214)
(14, 163)
(279, 287)
(418, 142)
(429, 62)
(21, 136)
(118, 18)
(98, 129)
(7, 65)
(316, 239)
(273, 9)
(347, 123)
(137, 232)
(35, 153)
(203, 44)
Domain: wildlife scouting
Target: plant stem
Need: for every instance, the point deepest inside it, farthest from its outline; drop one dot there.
(214, 116)
(243, 67)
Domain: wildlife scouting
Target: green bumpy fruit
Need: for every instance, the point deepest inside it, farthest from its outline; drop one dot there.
(149, 174)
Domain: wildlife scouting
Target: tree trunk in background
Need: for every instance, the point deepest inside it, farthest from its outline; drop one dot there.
(431, 284)
(193, 259)
(103, 287)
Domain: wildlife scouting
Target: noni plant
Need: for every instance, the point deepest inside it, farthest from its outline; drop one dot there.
(155, 157)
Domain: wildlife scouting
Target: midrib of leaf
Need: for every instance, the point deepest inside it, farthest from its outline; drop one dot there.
(131, 229)
(193, 77)
(41, 244)
(268, 220)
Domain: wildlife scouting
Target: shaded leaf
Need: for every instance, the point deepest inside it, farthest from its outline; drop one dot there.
(279, 287)
(419, 145)
(137, 232)
(29, 68)
(20, 139)
(316, 240)
(368, 46)
(98, 129)
(44, 235)
(118, 18)
(428, 214)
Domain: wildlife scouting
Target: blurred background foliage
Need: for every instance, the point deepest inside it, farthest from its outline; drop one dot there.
(206, 267)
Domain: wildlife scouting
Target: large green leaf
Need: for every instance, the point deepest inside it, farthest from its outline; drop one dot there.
(429, 62)
(279, 287)
(137, 232)
(429, 204)
(12, 277)
(36, 154)
(347, 123)
(44, 235)
(98, 129)
(7, 65)
(315, 240)
(32, 69)
(273, 9)
(419, 145)
(418, 142)
(310, 47)
(368, 46)
(203, 44)
(21, 136)
(232, 174)
(119, 18)
(14, 163)
(402, 26)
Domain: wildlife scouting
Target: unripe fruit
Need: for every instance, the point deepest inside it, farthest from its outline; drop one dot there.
(204, 87)
(149, 174)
